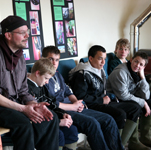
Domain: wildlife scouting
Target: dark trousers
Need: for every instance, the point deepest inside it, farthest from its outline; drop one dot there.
(26, 135)
(120, 111)
(68, 135)
(131, 108)
(118, 114)
(100, 128)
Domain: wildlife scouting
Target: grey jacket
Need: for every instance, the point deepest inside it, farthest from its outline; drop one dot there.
(15, 83)
(121, 83)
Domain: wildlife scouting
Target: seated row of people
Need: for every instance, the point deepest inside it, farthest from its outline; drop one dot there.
(127, 82)
(34, 114)
(96, 125)
(92, 68)
(33, 122)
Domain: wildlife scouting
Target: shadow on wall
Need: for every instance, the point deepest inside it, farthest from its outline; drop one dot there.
(127, 12)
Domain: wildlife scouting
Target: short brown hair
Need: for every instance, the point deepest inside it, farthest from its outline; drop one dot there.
(143, 55)
(94, 49)
(50, 49)
(43, 65)
(122, 42)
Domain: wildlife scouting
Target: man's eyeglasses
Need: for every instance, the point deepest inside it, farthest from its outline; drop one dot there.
(23, 33)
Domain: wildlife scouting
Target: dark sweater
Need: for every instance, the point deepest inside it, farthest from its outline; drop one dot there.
(41, 94)
(113, 63)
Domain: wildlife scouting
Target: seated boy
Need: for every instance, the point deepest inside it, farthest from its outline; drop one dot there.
(100, 128)
(127, 81)
(88, 82)
(122, 49)
(41, 72)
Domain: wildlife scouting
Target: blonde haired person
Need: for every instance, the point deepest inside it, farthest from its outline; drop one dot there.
(122, 49)
(41, 72)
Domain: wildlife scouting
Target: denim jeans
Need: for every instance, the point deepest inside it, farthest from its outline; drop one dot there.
(68, 135)
(100, 128)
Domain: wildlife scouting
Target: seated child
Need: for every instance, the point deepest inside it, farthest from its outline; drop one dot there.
(127, 81)
(41, 72)
(121, 52)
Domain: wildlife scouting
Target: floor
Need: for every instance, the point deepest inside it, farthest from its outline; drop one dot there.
(82, 146)
(8, 148)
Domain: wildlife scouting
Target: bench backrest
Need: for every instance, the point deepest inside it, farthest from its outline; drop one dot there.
(64, 67)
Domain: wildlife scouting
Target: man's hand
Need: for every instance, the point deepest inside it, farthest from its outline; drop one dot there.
(37, 112)
(78, 106)
(44, 111)
(66, 121)
(148, 111)
(106, 100)
(30, 112)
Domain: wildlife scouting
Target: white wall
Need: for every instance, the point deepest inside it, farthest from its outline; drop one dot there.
(97, 21)
(145, 35)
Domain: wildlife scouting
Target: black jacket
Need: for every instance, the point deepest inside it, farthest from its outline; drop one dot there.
(88, 86)
(41, 94)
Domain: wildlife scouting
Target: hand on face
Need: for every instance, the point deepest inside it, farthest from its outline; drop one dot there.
(141, 74)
